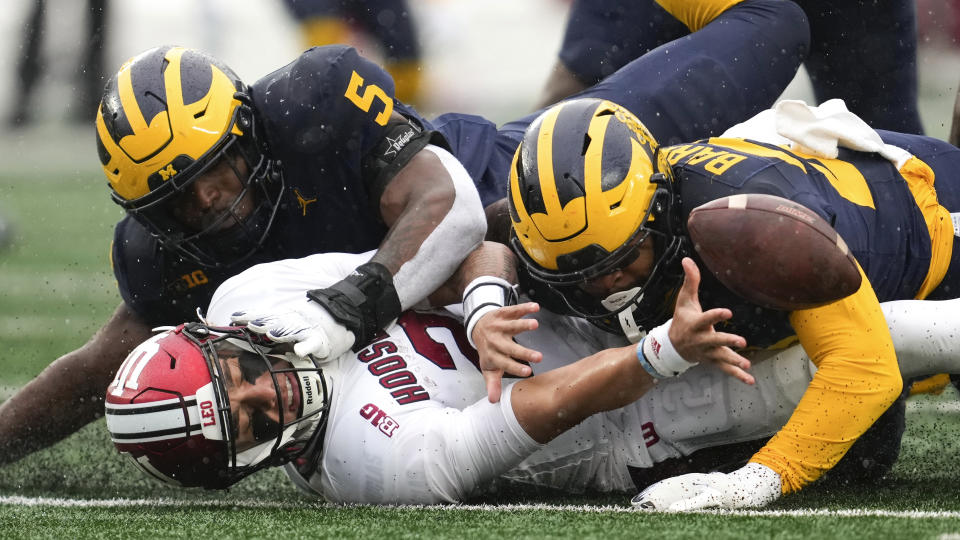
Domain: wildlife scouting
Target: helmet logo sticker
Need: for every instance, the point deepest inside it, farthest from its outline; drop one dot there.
(167, 172)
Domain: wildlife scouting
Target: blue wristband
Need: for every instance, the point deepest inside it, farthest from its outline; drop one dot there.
(645, 364)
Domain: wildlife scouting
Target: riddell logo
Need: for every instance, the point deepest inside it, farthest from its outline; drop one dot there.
(307, 389)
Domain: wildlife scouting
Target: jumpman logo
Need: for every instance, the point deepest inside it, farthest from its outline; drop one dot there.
(303, 202)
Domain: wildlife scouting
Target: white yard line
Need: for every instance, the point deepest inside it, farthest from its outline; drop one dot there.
(249, 503)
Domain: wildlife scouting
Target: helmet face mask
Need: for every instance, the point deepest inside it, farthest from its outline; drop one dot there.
(169, 116)
(169, 407)
(229, 237)
(585, 195)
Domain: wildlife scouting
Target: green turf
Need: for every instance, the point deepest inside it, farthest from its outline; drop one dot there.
(56, 288)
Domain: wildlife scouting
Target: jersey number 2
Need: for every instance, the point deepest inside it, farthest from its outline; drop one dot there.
(433, 336)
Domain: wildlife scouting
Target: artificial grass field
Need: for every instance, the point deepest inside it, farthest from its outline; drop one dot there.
(56, 289)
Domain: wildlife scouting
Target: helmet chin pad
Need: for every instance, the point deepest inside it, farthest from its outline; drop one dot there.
(640, 308)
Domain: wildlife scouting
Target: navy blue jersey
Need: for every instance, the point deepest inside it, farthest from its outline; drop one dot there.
(860, 52)
(323, 112)
(862, 195)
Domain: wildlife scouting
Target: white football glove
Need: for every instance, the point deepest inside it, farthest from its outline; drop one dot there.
(311, 332)
(750, 486)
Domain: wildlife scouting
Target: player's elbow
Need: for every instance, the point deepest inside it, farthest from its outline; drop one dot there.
(889, 384)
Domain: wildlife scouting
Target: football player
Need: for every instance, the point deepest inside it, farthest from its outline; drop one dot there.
(854, 48)
(405, 421)
(388, 22)
(319, 156)
(599, 212)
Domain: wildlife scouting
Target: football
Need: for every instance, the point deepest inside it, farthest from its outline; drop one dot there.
(773, 252)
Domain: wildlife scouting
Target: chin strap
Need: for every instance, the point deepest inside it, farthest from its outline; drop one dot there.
(364, 302)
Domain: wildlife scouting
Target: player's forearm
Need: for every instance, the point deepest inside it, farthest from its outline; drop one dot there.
(49, 408)
(489, 259)
(552, 402)
(826, 423)
(434, 232)
(856, 381)
(69, 393)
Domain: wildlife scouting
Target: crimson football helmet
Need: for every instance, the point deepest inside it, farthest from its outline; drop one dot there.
(166, 118)
(168, 408)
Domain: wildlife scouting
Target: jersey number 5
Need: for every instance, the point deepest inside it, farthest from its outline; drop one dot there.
(364, 100)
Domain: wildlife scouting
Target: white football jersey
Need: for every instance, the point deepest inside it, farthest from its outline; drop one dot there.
(409, 421)
(701, 408)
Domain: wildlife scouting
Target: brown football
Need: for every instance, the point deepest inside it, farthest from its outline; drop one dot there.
(773, 252)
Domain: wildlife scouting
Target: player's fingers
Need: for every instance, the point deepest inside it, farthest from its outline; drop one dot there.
(737, 373)
(524, 354)
(712, 317)
(241, 318)
(729, 356)
(260, 326)
(502, 362)
(691, 281)
(517, 369)
(708, 498)
(723, 339)
(493, 379)
(514, 327)
(317, 345)
(518, 311)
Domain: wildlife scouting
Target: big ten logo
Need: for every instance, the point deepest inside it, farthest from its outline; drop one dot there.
(195, 279)
(379, 419)
(715, 161)
(690, 393)
(207, 413)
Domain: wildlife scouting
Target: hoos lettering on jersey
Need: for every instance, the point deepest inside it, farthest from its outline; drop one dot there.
(382, 362)
(379, 419)
(436, 338)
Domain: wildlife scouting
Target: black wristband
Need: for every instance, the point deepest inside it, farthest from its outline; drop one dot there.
(364, 302)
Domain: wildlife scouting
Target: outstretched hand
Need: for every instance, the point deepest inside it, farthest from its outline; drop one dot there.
(693, 335)
(499, 354)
